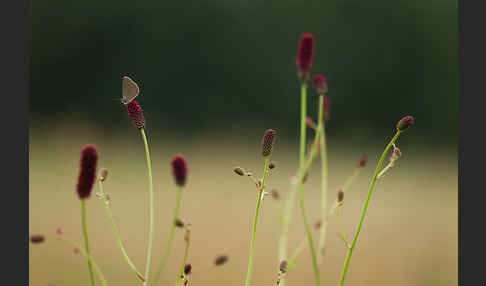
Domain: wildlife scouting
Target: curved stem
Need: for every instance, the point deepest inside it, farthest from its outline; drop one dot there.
(365, 208)
(170, 239)
(322, 236)
(86, 241)
(255, 221)
(151, 205)
(88, 257)
(116, 233)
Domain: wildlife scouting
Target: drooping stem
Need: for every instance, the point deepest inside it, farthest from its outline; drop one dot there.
(301, 186)
(88, 257)
(170, 239)
(365, 208)
(116, 233)
(255, 221)
(86, 241)
(151, 205)
(322, 237)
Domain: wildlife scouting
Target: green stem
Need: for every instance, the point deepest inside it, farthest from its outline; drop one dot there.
(116, 233)
(255, 221)
(86, 241)
(186, 253)
(88, 257)
(301, 186)
(322, 237)
(168, 247)
(340, 228)
(303, 116)
(151, 205)
(293, 260)
(345, 187)
(365, 207)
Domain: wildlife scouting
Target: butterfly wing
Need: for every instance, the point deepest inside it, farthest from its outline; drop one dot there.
(130, 90)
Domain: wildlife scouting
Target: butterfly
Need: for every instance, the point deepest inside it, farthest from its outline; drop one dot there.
(130, 90)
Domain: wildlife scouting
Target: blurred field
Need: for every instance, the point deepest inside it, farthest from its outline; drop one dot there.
(409, 236)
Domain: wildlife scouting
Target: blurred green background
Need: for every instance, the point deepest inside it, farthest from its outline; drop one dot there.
(213, 76)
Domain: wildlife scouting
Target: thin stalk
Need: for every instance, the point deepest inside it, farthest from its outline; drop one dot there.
(116, 233)
(345, 187)
(292, 262)
(170, 239)
(151, 205)
(88, 257)
(86, 241)
(293, 259)
(301, 186)
(186, 253)
(365, 208)
(255, 221)
(340, 228)
(322, 236)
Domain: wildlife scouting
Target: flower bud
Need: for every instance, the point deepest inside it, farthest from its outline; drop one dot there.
(283, 266)
(405, 123)
(320, 84)
(267, 142)
(239, 171)
(103, 174)
(340, 196)
(363, 161)
(37, 238)
(220, 260)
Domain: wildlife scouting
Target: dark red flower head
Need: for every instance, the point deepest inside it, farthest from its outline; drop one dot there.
(304, 56)
(87, 170)
(135, 114)
(179, 169)
(267, 142)
(405, 123)
(320, 84)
